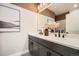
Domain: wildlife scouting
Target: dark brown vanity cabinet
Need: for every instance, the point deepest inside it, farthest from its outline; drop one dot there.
(39, 50)
(43, 51)
(41, 47)
(34, 48)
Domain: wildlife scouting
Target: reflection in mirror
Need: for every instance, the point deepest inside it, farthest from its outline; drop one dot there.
(43, 6)
(43, 15)
(66, 14)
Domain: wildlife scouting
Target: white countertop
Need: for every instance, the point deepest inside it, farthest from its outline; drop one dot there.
(67, 41)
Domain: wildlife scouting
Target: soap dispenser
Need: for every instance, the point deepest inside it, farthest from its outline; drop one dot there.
(46, 32)
(59, 33)
(62, 31)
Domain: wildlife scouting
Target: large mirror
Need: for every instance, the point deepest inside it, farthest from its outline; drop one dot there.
(66, 14)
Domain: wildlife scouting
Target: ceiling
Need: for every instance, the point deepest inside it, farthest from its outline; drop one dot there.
(60, 8)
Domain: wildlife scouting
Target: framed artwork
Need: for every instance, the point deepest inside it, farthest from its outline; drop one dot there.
(9, 19)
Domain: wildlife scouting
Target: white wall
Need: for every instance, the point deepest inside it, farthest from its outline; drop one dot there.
(14, 42)
(62, 24)
(42, 20)
(72, 22)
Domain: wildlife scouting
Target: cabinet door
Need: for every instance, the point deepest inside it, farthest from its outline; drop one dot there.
(51, 53)
(43, 51)
(33, 48)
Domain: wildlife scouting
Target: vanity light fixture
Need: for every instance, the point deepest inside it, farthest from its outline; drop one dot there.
(43, 6)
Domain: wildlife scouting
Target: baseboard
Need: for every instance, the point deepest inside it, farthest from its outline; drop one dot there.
(19, 53)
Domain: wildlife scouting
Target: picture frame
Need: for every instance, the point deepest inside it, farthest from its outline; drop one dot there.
(9, 19)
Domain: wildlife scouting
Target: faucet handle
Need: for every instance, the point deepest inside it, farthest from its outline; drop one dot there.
(62, 31)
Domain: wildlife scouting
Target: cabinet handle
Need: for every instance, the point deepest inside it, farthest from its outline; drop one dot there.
(31, 43)
(49, 53)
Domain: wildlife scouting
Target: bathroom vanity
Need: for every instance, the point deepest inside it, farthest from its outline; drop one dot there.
(40, 45)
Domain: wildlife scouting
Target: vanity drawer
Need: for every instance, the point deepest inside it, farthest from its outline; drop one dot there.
(67, 51)
(33, 38)
(57, 48)
(60, 49)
